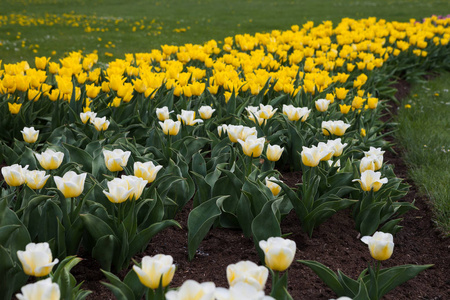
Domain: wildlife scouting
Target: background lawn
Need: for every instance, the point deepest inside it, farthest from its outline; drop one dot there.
(30, 28)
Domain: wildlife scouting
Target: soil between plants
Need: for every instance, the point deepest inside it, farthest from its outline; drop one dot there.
(335, 244)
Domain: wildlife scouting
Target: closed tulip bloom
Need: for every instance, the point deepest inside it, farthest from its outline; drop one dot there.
(371, 180)
(291, 112)
(192, 290)
(163, 113)
(239, 291)
(304, 113)
(252, 146)
(234, 132)
(100, 124)
(169, 127)
(222, 128)
(71, 184)
(334, 127)
(92, 91)
(341, 93)
(147, 170)
(381, 245)
(30, 135)
(266, 111)
(155, 267)
(14, 108)
(206, 112)
(117, 159)
(372, 102)
(248, 272)
(344, 108)
(135, 183)
(325, 148)
(322, 104)
(377, 156)
(37, 259)
(274, 152)
(118, 190)
(41, 62)
(311, 157)
(14, 175)
(86, 116)
(337, 146)
(279, 253)
(49, 159)
(367, 163)
(40, 290)
(188, 117)
(274, 188)
(342, 298)
(36, 179)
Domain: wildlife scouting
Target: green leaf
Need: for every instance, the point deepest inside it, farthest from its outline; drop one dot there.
(119, 289)
(200, 221)
(80, 156)
(132, 281)
(6, 232)
(106, 251)
(96, 226)
(327, 275)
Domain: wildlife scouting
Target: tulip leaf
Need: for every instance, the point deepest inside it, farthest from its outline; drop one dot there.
(27, 158)
(203, 191)
(133, 282)
(80, 156)
(96, 226)
(368, 219)
(199, 164)
(6, 232)
(117, 287)
(327, 275)
(200, 221)
(351, 286)
(244, 213)
(363, 293)
(105, 250)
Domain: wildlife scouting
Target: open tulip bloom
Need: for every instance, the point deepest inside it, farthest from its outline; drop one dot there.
(71, 184)
(37, 259)
(381, 245)
(49, 159)
(371, 180)
(43, 289)
(155, 270)
(14, 175)
(241, 290)
(117, 159)
(30, 135)
(249, 273)
(191, 289)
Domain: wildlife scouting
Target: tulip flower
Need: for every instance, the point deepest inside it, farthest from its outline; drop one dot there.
(169, 127)
(14, 108)
(191, 289)
(371, 180)
(41, 290)
(14, 175)
(381, 245)
(344, 108)
(36, 179)
(41, 62)
(188, 117)
(37, 259)
(86, 116)
(117, 159)
(239, 291)
(100, 124)
(367, 163)
(377, 156)
(147, 170)
(274, 188)
(311, 157)
(266, 111)
(337, 146)
(136, 184)
(279, 253)
(296, 113)
(163, 113)
(30, 135)
(342, 298)
(334, 127)
(341, 93)
(118, 190)
(153, 268)
(248, 272)
(221, 128)
(71, 184)
(252, 146)
(206, 112)
(274, 152)
(322, 104)
(234, 132)
(49, 159)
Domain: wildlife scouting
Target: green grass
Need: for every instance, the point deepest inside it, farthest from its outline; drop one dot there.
(424, 133)
(206, 19)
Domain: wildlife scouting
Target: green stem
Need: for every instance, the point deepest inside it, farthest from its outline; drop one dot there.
(249, 165)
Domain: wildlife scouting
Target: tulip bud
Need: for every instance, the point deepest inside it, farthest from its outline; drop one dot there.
(206, 112)
(191, 289)
(30, 135)
(43, 289)
(381, 245)
(71, 184)
(274, 152)
(322, 104)
(14, 175)
(163, 113)
(274, 188)
(49, 159)
(117, 159)
(37, 259)
(36, 179)
(252, 146)
(155, 267)
(221, 128)
(279, 253)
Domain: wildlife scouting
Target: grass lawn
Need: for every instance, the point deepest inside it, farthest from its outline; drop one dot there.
(424, 133)
(30, 28)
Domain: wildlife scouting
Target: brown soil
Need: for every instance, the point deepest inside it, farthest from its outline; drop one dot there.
(335, 244)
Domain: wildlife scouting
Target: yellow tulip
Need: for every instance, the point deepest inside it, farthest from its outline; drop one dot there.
(34, 95)
(248, 272)
(147, 170)
(153, 269)
(381, 245)
(117, 159)
(341, 93)
(344, 108)
(14, 108)
(36, 179)
(252, 146)
(274, 188)
(41, 62)
(71, 185)
(279, 253)
(274, 152)
(92, 91)
(37, 259)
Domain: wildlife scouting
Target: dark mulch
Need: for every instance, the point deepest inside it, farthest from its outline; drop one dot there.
(335, 244)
